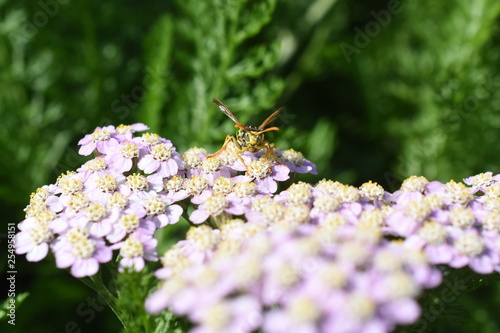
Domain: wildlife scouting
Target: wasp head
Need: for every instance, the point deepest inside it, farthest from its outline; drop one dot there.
(251, 137)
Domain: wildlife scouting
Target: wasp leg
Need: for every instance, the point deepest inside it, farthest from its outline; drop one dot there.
(270, 151)
(223, 148)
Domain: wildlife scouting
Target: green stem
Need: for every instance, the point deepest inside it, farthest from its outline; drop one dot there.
(95, 283)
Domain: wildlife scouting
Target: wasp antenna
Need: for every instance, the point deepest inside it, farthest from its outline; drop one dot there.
(270, 129)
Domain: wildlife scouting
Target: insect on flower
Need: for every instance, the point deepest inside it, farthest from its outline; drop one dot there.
(249, 138)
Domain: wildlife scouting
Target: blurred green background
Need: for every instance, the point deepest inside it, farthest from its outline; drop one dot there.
(373, 90)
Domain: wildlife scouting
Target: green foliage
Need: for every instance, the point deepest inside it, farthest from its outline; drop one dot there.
(4, 308)
(436, 88)
(208, 52)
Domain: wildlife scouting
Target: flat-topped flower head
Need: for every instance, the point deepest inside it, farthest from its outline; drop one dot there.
(492, 191)
(332, 221)
(137, 182)
(95, 165)
(355, 252)
(174, 187)
(204, 237)
(75, 234)
(433, 233)
(304, 309)
(193, 157)
(418, 210)
(259, 169)
(196, 185)
(491, 203)
(162, 159)
(296, 213)
(44, 216)
(214, 207)
(101, 140)
(434, 201)
(77, 202)
(374, 217)
(273, 212)
(492, 221)
(230, 155)
(371, 191)
(95, 212)
(39, 197)
(160, 210)
(360, 306)
(100, 134)
(121, 157)
(82, 254)
(152, 139)
(369, 233)
(265, 174)
(161, 152)
(155, 206)
(462, 217)
(129, 222)
(245, 189)
(400, 285)
(327, 186)
(69, 183)
(469, 244)
(347, 193)
(222, 186)
(34, 242)
(213, 167)
(98, 219)
(298, 193)
(296, 162)
(458, 193)
(174, 184)
(326, 203)
(414, 184)
(129, 150)
(117, 200)
(258, 203)
(480, 181)
(106, 184)
(134, 250)
(126, 131)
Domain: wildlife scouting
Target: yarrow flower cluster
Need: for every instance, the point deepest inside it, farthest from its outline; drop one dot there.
(262, 253)
(114, 201)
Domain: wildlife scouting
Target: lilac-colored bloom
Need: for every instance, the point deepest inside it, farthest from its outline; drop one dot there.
(34, 242)
(265, 175)
(83, 255)
(134, 250)
(214, 206)
(101, 140)
(162, 159)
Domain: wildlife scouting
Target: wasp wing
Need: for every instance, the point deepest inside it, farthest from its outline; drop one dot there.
(226, 111)
(270, 118)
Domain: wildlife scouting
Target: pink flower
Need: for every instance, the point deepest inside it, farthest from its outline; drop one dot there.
(34, 242)
(162, 159)
(265, 175)
(100, 139)
(135, 249)
(214, 206)
(82, 254)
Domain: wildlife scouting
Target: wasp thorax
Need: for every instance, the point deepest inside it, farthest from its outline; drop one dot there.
(250, 137)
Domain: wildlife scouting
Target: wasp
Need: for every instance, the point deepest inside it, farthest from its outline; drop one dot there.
(249, 138)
